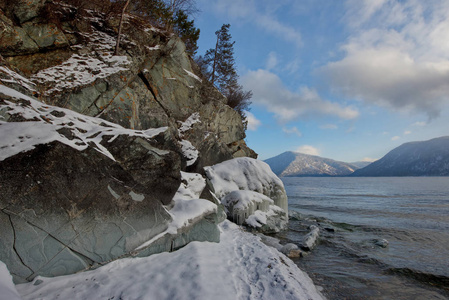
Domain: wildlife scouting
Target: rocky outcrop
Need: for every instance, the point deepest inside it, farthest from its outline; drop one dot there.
(93, 144)
(77, 191)
(152, 84)
(251, 193)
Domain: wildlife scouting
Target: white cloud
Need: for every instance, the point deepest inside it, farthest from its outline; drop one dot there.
(307, 149)
(397, 55)
(253, 122)
(292, 130)
(274, 26)
(360, 11)
(421, 124)
(407, 132)
(395, 138)
(269, 91)
(272, 61)
(369, 159)
(256, 12)
(329, 126)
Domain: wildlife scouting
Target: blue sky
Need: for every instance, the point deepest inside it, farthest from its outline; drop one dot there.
(344, 79)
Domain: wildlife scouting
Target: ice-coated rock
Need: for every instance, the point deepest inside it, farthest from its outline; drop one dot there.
(381, 243)
(311, 238)
(251, 194)
(246, 174)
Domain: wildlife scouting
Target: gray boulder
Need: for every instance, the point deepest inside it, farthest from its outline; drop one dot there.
(310, 240)
(62, 217)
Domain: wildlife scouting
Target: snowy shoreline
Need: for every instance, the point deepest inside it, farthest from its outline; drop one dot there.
(240, 266)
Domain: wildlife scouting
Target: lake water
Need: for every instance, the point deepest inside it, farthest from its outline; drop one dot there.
(411, 213)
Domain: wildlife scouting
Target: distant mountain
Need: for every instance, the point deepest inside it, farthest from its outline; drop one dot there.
(427, 158)
(360, 164)
(297, 164)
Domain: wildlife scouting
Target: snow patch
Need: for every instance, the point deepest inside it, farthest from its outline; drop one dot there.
(17, 78)
(248, 189)
(136, 197)
(193, 75)
(187, 124)
(191, 187)
(157, 47)
(113, 193)
(84, 69)
(46, 122)
(189, 152)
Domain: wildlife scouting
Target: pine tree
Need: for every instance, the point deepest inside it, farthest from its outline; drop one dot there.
(223, 73)
(221, 60)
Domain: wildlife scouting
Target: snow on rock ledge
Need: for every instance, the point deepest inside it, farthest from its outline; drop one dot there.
(220, 271)
(187, 210)
(47, 123)
(248, 189)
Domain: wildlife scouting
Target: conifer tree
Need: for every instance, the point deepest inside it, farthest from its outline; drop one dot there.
(221, 60)
(223, 73)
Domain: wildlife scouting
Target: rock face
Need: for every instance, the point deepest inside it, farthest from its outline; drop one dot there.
(296, 164)
(93, 144)
(426, 158)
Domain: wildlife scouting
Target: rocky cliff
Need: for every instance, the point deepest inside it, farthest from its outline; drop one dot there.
(93, 144)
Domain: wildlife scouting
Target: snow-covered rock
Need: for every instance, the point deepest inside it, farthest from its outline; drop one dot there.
(246, 174)
(240, 266)
(186, 210)
(77, 190)
(251, 193)
(245, 201)
(255, 210)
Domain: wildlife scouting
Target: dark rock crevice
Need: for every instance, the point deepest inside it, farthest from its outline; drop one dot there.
(153, 93)
(14, 242)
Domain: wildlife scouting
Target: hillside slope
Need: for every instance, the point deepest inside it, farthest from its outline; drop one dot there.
(426, 158)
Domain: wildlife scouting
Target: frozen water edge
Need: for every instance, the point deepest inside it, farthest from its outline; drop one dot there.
(239, 267)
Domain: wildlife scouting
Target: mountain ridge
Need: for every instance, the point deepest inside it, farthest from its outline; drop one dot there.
(295, 164)
(418, 158)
